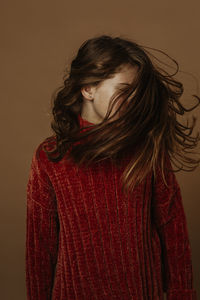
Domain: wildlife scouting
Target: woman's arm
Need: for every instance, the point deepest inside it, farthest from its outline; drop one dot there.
(171, 223)
(42, 230)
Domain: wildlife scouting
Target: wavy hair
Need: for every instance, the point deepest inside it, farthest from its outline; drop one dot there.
(146, 131)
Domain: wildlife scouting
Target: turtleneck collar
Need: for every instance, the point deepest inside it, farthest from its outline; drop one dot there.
(83, 122)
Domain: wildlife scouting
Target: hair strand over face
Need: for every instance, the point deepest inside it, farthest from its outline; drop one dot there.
(147, 130)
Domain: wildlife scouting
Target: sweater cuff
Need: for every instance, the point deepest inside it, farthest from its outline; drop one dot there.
(181, 295)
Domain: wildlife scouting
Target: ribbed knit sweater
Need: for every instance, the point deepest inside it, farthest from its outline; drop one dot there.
(86, 240)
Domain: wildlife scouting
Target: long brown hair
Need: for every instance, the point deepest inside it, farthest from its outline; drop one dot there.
(147, 128)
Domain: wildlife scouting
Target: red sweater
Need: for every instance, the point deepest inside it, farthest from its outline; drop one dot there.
(85, 240)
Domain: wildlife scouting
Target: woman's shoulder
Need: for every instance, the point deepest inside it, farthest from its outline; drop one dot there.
(44, 145)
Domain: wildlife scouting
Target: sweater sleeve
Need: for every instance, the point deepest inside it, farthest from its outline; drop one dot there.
(171, 223)
(42, 230)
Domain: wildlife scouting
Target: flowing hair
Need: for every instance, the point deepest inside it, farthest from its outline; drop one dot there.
(146, 130)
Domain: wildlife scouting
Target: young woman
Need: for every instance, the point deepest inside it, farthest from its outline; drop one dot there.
(105, 217)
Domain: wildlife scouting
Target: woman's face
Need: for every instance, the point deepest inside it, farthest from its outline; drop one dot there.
(97, 99)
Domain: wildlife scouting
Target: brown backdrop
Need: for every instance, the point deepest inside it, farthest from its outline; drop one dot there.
(38, 39)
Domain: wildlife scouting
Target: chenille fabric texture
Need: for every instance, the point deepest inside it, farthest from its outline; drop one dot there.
(85, 240)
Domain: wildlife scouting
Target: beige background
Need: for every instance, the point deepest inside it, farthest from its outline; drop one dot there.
(38, 39)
